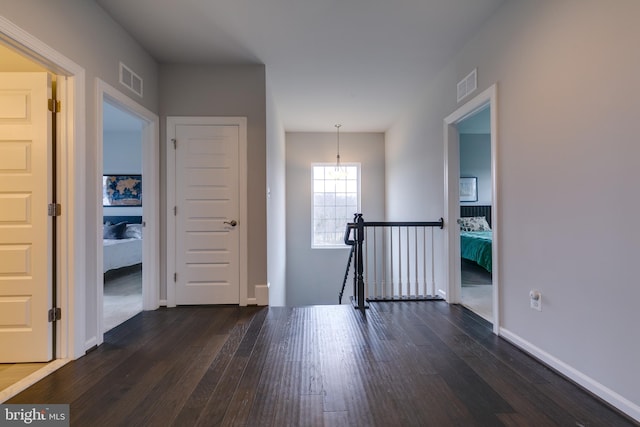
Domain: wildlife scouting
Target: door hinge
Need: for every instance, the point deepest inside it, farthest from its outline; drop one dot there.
(175, 210)
(175, 277)
(175, 143)
(54, 209)
(54, 106)
(54, 314)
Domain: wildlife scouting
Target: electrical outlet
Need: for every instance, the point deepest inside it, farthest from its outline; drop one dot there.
(535, 300)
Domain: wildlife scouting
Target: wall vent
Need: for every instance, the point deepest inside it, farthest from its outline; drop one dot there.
(130, 79)
(468, 85)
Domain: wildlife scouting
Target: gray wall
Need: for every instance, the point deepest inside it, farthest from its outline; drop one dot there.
(276, 207)
(223, 90)
(83, 32)
(475, 160)
(567, 141)
(314, 276)
(122, 154)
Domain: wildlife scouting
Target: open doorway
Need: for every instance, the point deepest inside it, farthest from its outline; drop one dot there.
(127, 138)
(474, 139)
(466, 197)
(122, 207)
(23, 54)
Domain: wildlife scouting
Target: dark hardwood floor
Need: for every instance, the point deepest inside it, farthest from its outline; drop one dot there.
(404, 364)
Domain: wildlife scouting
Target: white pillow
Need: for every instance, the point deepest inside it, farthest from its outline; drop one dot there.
(474, 223)
(134, 231)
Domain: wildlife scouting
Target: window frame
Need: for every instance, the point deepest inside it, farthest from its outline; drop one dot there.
(358, 167)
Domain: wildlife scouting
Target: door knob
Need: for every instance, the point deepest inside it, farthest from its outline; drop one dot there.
(232, 223)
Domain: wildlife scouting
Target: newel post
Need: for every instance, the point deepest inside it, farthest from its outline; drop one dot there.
(360, 298)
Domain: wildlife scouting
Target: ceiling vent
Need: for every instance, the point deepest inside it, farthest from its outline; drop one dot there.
(468, 85)
(130, 79)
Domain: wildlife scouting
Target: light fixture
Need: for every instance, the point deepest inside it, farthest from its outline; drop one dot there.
(338, 149)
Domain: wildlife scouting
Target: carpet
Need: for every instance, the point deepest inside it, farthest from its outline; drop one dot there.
(477, 292)
(122, 296)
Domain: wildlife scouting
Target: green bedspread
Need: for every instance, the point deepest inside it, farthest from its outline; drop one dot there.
(476, 246)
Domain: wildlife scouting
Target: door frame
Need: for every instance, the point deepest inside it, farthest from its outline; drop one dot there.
(150, 189)
(452, 200)
(172, 122)
(70, 330)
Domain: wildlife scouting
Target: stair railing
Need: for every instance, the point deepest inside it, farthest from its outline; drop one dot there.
(394, 261)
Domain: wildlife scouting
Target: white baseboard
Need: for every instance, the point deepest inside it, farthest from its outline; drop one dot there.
(614, 399)
(262, 294)
(91, 342)
(162, 303)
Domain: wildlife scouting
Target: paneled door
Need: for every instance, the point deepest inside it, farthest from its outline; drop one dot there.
(207, 214)
(25, 227)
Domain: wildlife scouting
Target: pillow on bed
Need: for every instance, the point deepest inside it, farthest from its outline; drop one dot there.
(115, 231)
(133, 231)
(474, 223)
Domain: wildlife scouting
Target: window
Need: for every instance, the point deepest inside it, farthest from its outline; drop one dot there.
(336, 197)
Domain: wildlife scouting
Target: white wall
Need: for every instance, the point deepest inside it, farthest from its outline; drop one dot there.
(276, 207)
(567, 141)
(83, 32)
(475, 160)
(223, 90)
(314, 276)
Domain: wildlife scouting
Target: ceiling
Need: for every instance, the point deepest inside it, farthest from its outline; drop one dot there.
(361, 63)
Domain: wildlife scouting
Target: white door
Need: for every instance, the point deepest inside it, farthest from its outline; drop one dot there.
(25, 227)
(207, 214)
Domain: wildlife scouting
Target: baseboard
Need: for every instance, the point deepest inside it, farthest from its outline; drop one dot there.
(611, 397)
(91, 342)
(162, 303)
(261, 293)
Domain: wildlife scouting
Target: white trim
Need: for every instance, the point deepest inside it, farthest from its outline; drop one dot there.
(605, 393)
(452, 203)
(150, 189)
(241, 122)
(71, 329)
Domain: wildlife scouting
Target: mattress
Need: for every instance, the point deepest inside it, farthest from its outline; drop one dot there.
(121, 253)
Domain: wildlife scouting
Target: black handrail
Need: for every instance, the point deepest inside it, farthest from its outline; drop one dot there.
(358, 225)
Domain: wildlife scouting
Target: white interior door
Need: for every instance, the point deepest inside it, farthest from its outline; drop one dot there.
(207, 214)
(25, 227)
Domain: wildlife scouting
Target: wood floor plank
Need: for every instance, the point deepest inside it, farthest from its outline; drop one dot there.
(398, 364)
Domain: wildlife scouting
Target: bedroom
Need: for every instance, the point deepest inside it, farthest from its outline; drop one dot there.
(122, 219)
(475, 212)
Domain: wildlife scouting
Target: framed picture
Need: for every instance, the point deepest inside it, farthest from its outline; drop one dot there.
(469, 189)
(122, 190)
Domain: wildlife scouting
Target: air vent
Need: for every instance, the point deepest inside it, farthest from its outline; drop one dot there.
(468, 85)
(130, 79)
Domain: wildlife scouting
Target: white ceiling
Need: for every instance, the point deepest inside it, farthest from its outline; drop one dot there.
(361, 63)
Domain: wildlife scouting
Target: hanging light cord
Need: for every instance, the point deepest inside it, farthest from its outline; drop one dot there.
(338, 153)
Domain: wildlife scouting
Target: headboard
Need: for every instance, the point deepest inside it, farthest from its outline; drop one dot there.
(113, 219)
(476, 210)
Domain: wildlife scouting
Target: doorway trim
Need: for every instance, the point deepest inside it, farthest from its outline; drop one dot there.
(71, 260)
(452, 202)
(150, 189)
(241, 122)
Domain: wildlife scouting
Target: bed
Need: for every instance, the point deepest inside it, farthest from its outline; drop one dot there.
(476, 235)
(122, 242)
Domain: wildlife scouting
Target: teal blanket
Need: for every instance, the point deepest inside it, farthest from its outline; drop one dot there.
(476, 246)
